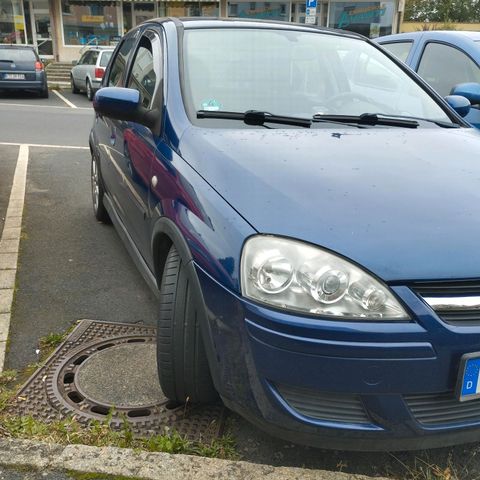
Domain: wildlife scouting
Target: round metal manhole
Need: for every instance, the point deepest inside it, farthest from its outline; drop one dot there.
(116, 377)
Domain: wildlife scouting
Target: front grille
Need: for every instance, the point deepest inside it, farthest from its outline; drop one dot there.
(442, 409)
(454, 289)
(447, 289)
(330, 407)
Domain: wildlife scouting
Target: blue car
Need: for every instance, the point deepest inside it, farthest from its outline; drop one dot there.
(307, 210)
(448, 60)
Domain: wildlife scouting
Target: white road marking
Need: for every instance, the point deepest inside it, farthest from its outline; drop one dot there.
(9, 247)
(39, 145)
(30, 105)
(61, 97)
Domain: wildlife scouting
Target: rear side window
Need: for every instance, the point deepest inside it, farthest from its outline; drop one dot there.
(399, 49)
(106, 56)
(93, 58)
(17, 54)
(117, 72)
(443, 67)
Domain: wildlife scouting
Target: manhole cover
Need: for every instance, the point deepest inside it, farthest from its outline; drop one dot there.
(102, 376)
(106, 369)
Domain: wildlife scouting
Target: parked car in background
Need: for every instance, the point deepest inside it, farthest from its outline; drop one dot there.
(21, 69)
(88, 72)
(306, 209)
(447, 60)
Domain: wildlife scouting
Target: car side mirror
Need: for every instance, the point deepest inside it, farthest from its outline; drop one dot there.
(468, 90)
(459, 103)
(124, 104)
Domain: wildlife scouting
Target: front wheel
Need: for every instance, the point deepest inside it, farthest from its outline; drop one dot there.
(182, 363)
(73, 86)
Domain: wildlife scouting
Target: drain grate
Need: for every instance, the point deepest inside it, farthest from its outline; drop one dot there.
(85, 376)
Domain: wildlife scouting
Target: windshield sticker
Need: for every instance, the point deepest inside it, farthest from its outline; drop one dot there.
(211, 105)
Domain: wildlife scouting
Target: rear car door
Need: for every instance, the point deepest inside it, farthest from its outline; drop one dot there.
(107, 128)
(139, 142)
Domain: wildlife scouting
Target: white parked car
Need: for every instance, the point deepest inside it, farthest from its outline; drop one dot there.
(88, 72)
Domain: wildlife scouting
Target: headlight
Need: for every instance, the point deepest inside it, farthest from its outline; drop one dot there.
(296, 276)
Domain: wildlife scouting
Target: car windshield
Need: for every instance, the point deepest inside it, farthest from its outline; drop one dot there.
(105, 58)
(17, 55)
(296, 73)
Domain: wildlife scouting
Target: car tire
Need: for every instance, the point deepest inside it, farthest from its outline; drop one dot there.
(73, 86)
(182, 363)
(98, 192)
(89, 90)
(44, 92)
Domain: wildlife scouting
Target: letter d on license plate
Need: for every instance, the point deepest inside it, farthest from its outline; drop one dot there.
(468, 383)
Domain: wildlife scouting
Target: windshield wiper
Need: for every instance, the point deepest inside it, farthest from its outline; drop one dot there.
(370, 119)
(256, 117)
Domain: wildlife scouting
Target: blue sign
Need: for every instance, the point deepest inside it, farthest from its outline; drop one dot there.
(311, 3)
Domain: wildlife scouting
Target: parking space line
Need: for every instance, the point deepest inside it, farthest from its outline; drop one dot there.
(39, 145)
(9, 247)
(61, 97)
(29, 105)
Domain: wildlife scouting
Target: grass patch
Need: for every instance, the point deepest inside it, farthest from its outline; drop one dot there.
(98, 476)
(97, 433)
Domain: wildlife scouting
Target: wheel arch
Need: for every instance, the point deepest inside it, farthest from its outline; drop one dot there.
(166, 234)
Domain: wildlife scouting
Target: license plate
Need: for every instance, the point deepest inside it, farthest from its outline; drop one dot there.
(14, 76)
(468, 383)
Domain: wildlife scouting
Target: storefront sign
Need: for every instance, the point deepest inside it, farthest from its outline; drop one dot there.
(361, 15)
(19, 25)
(93, 18)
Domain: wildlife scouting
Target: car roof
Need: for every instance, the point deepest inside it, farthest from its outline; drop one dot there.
(433, 34)
(215, 22)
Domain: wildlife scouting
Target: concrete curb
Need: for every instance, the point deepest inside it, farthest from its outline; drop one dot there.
(148, 466)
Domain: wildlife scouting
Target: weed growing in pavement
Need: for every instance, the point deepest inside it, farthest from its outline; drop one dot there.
(96, 433)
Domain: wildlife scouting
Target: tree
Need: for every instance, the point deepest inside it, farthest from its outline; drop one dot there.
(445, 11)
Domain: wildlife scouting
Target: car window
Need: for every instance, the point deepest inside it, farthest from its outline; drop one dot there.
(106, 56)
(86, 58)
(18, 54)
(82, 58)
(142, 76)
(296, 73)
(117, 72)
(399, 49)
(93, 58)
(444, 66)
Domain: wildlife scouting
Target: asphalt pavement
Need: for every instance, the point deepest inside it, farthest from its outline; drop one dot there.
(72, 267)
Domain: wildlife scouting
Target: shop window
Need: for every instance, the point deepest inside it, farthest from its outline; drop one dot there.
(259, 10)
(188, 9)
(443, 67)
(371, 19)
(12, 22)
(93, 23)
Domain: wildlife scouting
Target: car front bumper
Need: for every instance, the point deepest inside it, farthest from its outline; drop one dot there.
(338, 384)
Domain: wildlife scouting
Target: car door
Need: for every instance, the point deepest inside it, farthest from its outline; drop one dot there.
(139, 142)
(443, 66)
(79, 69)
(107, 129)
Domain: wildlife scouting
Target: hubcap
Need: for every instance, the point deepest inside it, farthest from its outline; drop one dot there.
(95, 185)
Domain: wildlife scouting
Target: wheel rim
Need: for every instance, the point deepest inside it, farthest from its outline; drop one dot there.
(95, 185)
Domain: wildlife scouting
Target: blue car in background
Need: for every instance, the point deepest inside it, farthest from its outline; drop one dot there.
(307, 210)
(448, 60)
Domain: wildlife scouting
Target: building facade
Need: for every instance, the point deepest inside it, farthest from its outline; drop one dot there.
(60, 29)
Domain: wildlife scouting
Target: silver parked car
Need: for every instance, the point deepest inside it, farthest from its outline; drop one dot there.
(88, 72)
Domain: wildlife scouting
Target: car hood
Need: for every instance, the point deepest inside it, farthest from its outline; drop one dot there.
(403, 203)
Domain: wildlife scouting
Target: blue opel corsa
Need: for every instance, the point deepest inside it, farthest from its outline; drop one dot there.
(308, 210)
